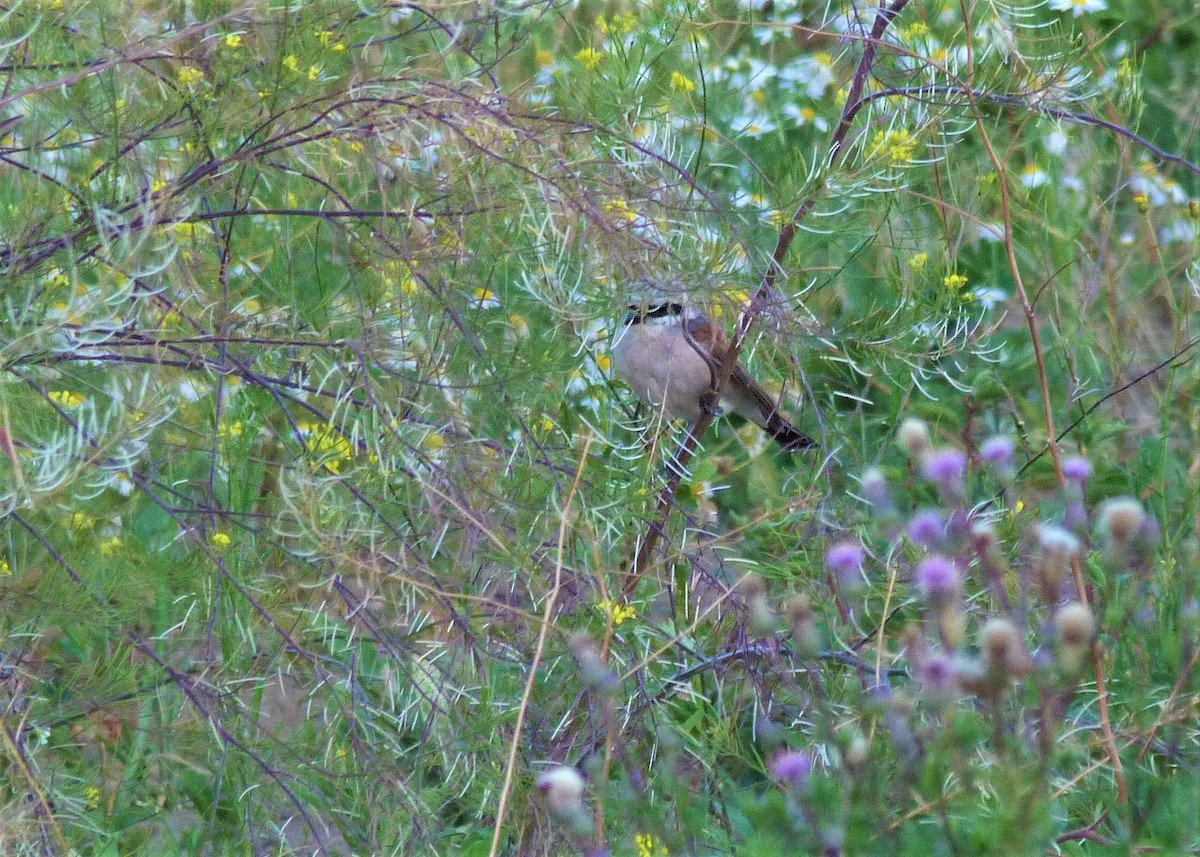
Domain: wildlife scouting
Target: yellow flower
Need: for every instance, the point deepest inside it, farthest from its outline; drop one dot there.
(546, 424)
(1142, 201)
(220, 540)
(291, 63)
(314, 72)
(518, 326)
(896, 144)
(109, 547)
(682, 83)
(590, 58)
(603, 362)
(325, 37)
(233, 40)
(57, 277)
(228, 430)
(5, 568)
(619, 25)
(82, 521)
(916, 31)
(917, 262)
(324, 442)
(67, 398)
(648, 846)
(91, 797)
(189, 76)
(619, 612)
(621, 209)
(954, 282)
(434, 441)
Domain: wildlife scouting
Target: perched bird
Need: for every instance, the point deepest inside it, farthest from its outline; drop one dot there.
(668, 354)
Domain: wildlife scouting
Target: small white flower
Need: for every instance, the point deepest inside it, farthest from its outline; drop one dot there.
(1177, 231)
(1033, 175)
(1078, 7)
(1056, 141)
(804, 116)
(757, 126)
(191, 391)
(813, 73)
(990, 297)
(122, 484)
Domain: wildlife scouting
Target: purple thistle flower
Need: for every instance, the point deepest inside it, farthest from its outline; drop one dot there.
(845, 558)
(946, 466)
(1077, 469)
(998, 451)
(938, 578)
(792, 768)
(927, 528)
(938, 678)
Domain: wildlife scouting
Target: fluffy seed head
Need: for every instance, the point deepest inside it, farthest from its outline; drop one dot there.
(1121, 518)
(998, 637)
(805, 636)
(1058, 548)
(1075, 624)
(1003, 649)
(562, 790)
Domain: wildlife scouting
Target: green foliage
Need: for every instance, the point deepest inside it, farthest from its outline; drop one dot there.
(312, 460)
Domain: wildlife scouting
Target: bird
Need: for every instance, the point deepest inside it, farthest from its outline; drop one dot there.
(669, 353)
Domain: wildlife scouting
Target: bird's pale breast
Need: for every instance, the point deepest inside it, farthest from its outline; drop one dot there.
(657, 361)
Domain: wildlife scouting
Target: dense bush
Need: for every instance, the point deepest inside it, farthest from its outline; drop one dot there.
(328, 528)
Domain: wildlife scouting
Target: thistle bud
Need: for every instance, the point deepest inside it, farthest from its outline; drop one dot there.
(806, 639)
(937, 677)
(913, 437)
(1004, 653)
(761, 618)
(594, 674)
(1057, 549)
(1075, 625)
(845, 560)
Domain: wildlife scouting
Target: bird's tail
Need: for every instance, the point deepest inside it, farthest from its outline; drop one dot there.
(786, 434)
